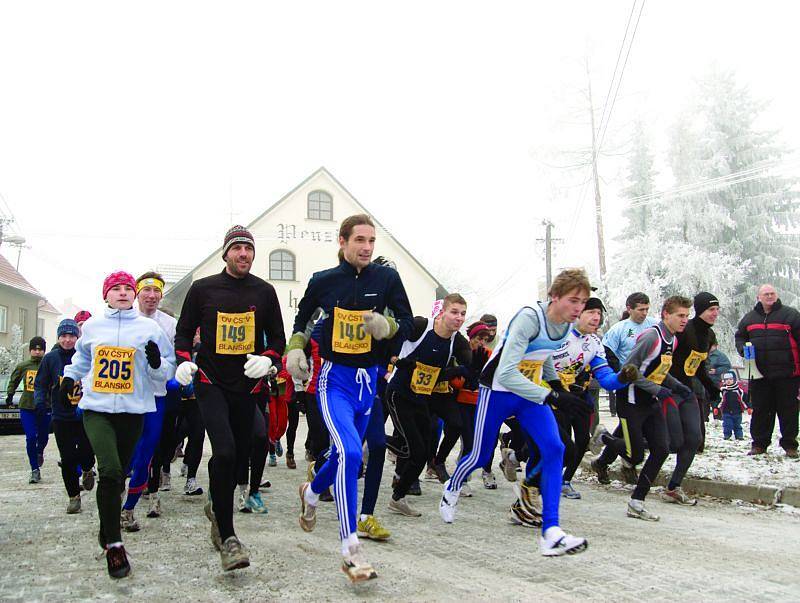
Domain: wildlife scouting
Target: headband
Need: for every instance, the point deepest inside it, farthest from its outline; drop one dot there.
(150, 282)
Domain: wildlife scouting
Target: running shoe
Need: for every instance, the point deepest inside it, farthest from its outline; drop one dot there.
(637, 511)
(430, 474)
(597, 441)
(601, 469)
(629, 473)
(308, 513)
(255, 504)
(356, 567)
(403, 508)
(371, 528)
(128, 522)
(273, 460)
(290, 464)
(555, 542)
(489, 482)
(233, 554)
(415, 489)
(74, 505)
(241, 505)
(117, 560)
(87, 480)
(508, 466)
(441, 472)
(208, 509)
(155, 506)
(166, 481)
(529, 497)
(466, 490)
(309, 456)
(192, 488)
(184, 469)
(678, 496)
(36, 477)
(567, 491)
(791, 453)
(279, 448)
(518, 516)
(447, 506)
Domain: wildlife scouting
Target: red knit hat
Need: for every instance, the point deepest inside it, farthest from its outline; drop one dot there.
(83, 316)
(118, 278)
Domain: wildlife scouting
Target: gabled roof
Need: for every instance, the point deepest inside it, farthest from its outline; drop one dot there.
(11, 278)
(441, 291)
(46, 306)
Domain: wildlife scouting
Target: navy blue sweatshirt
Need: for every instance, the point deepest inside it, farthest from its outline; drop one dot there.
(48, 382)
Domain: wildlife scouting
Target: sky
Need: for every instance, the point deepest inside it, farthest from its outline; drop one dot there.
(134, 134)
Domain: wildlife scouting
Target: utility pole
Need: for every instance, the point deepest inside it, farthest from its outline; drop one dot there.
(601, 248)
(548, 250)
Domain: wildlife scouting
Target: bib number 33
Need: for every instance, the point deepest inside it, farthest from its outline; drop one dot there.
(113, 370)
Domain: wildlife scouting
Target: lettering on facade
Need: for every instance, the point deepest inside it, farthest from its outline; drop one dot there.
(290, 232)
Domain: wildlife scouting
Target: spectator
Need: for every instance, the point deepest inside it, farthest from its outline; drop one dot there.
(717, 363)
(731, 406)
(774, 331)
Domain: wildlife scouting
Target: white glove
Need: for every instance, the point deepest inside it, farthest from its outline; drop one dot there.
(257, 366)
(297, 365)
(376, 325)
(185, 372)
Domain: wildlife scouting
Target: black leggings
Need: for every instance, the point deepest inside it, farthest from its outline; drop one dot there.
(444, 407)
(291, 428)
(413, 420)
(320, 439)
(228, 418)
(75, 449)
(196, 436)
(637, 424)
(257, 459)
(467, 433)
(683, 425)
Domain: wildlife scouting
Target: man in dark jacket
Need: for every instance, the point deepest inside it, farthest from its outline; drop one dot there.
(774, 331)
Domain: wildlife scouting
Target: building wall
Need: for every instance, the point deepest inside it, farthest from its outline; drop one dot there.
(14, 299)
(51, 321)
(314, 245)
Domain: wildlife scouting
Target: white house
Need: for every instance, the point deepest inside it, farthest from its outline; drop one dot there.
(298, 236)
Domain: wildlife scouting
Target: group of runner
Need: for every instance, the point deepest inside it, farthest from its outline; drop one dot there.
(118, 384)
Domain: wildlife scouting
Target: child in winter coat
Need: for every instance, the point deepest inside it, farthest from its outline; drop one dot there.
(731, 406)
(119, 359)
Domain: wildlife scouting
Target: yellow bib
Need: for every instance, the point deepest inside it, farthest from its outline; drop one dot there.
(349, 334)
(443, 387)
(531, 370)
(567, 378)
(236, 333)
(113, 370)
(30, 377)
(77, 391)
(423, 379)
(658, 375)
(693, 363)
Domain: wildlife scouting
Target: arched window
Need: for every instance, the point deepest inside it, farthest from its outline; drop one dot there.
(281, 265)
(320, 206)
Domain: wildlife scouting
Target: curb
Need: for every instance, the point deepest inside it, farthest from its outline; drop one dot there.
(763, 495)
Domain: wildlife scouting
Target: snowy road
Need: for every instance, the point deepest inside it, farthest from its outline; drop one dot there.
(715, 551)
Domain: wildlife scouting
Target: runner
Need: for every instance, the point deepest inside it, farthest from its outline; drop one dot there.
(34, 414)
(353, 297)
(684, 421)
(420, 365)
(73, 444)
(122, 351)
(641, 405)
(241, 338)
(511, 385)
(149, 291)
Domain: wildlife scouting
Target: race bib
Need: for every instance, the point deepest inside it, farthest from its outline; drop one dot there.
(693, 363)
(77, 391)
(658, 375)
(236, 333)
(113, 370)
(30, 377)
(349, 334)
(423, 379)
(443, 387)
(531, 370)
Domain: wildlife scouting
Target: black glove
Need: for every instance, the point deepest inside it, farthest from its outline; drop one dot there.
(568, 403)
(64, 392)
(404, 363)
(628, 374)
(556, 385)
(663, 394)
(10, 399)
(153, 354)
(682, 390)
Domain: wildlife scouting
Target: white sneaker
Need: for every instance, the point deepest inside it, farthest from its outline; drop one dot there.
(447, 506)
(466, 490)
(489, 482)
(555, 542)
(166, 481)
(356, 567)
(155, 506)
(509, 466)
(192, 488)
(128, 522)
(403, 508)
(242, 504)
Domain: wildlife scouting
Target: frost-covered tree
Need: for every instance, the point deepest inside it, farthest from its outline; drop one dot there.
(12, 356)
(641, 174)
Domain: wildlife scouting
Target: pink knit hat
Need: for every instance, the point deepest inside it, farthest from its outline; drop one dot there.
(118, 278)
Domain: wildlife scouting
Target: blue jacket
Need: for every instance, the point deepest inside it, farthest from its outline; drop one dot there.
(376, 288)
(48, 381)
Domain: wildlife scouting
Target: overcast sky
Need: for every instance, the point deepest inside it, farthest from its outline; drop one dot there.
(130, 132)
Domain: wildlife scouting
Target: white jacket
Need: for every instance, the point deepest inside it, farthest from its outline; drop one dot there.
(109, 357)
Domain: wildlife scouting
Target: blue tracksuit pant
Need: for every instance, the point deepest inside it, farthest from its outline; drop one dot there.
(37, 430)
(143, 454)
(345, 396)
(538, 421)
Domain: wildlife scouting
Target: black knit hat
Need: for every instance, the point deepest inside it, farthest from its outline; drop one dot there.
(703, 301)
(490, 320)
(594, 303)
(237, 234)
(37, 343)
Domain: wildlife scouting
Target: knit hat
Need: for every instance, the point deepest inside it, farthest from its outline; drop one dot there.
(68, 327)
(703, 301)
(83, 316)
(729, 375)
(237, 234)
(37, 343)
(490, 320)
(593, 303)
(476, 328)
(118, 278)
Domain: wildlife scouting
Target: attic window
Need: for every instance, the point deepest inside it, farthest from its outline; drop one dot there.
(320, 206)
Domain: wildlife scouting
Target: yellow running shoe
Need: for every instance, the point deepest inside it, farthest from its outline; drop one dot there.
(371, 528)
